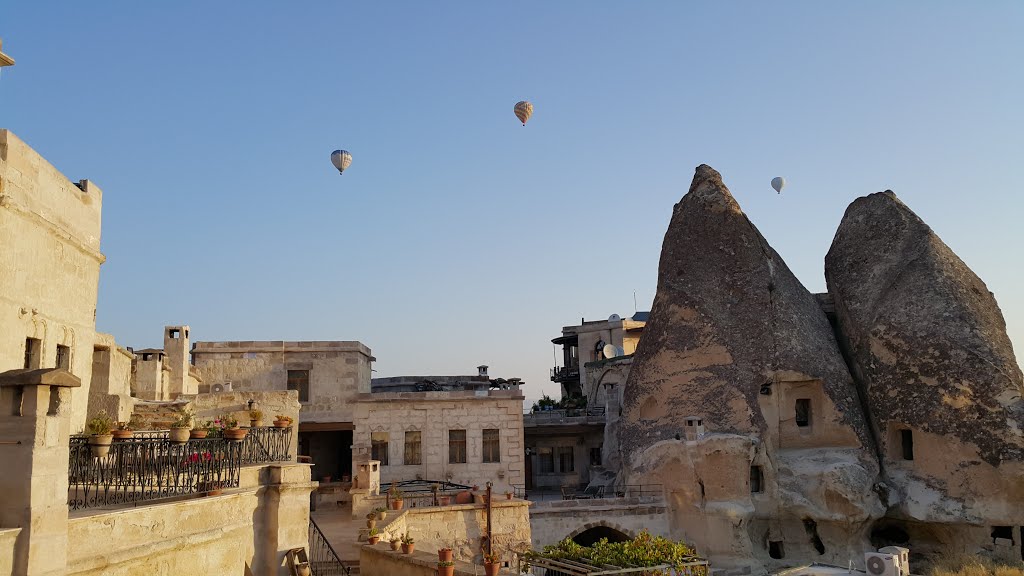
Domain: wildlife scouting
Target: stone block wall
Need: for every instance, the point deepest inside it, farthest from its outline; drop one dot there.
(433, 414)
(49, 235)
(8, 539)
(236, 403)
(552, 522)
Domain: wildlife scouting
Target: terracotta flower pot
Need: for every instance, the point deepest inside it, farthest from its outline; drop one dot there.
(254, 423)
(464, 497)
(444, 500)
(373, 540)
(508, 496)
(444, 555)
(100, 444)
(122, 434)
(397, 504)
(396, 545)
(408, 548)
(211, 488)
(371, 524)
(235, 434)
(282, 424)
(491, 569)
(446, 570)
(198, 433)
(179, 435)
(381, 516)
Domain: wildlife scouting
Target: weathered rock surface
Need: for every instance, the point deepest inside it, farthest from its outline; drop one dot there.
(735, 340)
(929, 350)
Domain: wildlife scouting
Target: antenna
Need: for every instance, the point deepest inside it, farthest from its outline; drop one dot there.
(634, 302)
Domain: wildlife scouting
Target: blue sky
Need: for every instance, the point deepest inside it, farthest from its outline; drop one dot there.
(459, 237)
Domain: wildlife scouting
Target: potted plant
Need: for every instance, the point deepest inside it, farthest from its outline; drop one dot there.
(371, 520)
(396, 543)
(374, 536)
(200, 431)
(444, 554)
(445, 568)
(397, 498)
(508, 494)
(230, 429)
(125, 430)
(381, 513)
(492, 563)
(254, 417)
(99, 429)
(181, 427)
(282, 421)
(408, 544)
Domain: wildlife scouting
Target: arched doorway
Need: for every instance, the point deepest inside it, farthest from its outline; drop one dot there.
(592, 535)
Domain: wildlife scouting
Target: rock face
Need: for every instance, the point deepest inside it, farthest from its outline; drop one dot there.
(929, 351)
(740, 403)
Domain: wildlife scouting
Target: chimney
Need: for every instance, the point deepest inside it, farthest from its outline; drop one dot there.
(482, 370)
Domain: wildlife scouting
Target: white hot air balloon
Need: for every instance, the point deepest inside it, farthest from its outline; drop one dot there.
(341, 160)
(778, 183)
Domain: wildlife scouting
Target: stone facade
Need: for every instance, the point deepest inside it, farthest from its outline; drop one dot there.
(110, 388)
(50, 250)
(552, 522)
(433, 415)
(337, 372)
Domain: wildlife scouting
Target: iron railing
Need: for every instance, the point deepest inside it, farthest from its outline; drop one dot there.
(267, 444)
(323, 560)
(594, 415)
(149, 467)
(575, 493)
(562, 373)
(538, 565)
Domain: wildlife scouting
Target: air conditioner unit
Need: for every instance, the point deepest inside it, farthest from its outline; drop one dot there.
(225, 387)
(879, 564)
(903, 554)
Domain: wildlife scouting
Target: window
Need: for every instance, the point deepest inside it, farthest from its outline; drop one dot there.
(63, 357)
(566, 459)
(32, 346)
(299, 380)
(803, 412)
(776, 550)
(492, 446)
(174, 333)
(756, 479)
(595, 456)
(456, 446)
(413, 441)
(546, 460)
(379, 447)
(907, 444)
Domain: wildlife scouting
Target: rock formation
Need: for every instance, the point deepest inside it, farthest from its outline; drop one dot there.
(928, 348)
(740, 403)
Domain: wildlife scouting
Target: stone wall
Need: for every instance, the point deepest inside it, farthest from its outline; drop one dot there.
(379, 560)
(110, 388)
(552, 522)
(462, 528)
(433, 414)
(50, 242)
(338, 371)
(236, 403)
(8, 539)
(251, 528)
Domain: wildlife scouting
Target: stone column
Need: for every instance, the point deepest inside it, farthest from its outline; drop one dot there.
(284, 517)
(35, 426)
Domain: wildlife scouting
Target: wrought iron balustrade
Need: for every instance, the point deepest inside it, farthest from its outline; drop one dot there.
(323, 560)
(149, 467)
(267, 444)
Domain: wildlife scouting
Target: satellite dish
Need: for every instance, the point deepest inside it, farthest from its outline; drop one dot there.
(610, 351)
(614, 318)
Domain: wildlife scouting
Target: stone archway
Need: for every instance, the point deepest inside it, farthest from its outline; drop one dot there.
(591, 532)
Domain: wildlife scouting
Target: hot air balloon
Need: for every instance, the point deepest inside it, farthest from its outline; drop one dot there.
(523, 111)
(341, 160)
(778, 183)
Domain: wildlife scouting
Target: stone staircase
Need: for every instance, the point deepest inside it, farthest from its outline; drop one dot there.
(150, 413)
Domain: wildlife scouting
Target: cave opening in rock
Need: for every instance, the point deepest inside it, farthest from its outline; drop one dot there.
(592, 535)
(888, 535)
(812, 532)
(776, 550)
(1004, 532)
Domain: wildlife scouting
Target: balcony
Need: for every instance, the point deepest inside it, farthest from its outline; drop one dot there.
(568, 417)
(565, 374)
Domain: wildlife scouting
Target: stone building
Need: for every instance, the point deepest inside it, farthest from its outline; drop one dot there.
(568, 446)
(329, 377)
(464, 429)
(50, 255)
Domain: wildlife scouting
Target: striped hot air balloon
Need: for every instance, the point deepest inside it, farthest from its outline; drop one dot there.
(341, 160)
(523, 111)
